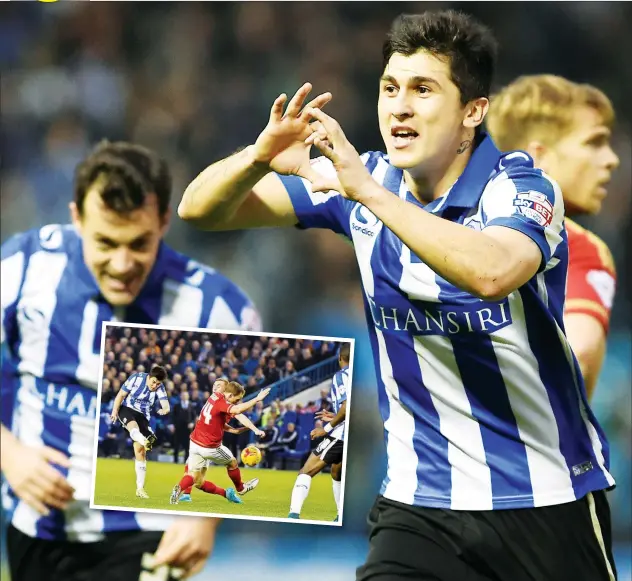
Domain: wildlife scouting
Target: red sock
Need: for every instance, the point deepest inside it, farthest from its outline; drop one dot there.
(208, 486)
(186, 482)
(235, 476)
(188, 489)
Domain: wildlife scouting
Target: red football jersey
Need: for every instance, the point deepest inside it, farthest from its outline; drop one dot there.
(592, 277)
(209, 429)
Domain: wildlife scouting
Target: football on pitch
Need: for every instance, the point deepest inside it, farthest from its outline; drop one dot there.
(251, 455)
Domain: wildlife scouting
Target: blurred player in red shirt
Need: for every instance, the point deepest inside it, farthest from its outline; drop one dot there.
(206, 444)
(566, 128)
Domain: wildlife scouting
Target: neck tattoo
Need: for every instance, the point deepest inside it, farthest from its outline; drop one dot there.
(465, 145)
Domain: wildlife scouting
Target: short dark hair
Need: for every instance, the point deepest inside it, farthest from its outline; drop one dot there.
(345, 352)
(130, 172)
(159, 372)
(468, 44)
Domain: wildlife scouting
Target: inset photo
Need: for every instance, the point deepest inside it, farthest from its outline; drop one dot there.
(215, 423)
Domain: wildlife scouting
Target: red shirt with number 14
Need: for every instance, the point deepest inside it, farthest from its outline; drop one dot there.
(209, 429)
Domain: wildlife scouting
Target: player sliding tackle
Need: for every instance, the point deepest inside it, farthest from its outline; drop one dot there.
(219, 385)
(132, 407)
(206, 444)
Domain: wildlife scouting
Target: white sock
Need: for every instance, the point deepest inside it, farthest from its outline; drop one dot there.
(336, 486)
(138, 437)
(300, 492)
(141, 472)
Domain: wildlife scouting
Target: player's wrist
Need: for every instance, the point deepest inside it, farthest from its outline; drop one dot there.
(257, 159)
(328, 428)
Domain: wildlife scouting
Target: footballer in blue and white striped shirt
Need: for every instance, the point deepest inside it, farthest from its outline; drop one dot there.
(59, 284)
(132, 406)
(494, 455)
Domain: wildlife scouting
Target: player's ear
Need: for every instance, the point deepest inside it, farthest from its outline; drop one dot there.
(538, 151)
(475, 112)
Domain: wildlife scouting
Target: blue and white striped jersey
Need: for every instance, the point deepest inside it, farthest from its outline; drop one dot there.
(139, 396)
(339, 389)
(483, 402)
(52, 313)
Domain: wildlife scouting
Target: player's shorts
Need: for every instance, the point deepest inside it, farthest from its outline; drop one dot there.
(199, 456)
(330, 450)
(118, 556)
(566, 542)
(127, 414)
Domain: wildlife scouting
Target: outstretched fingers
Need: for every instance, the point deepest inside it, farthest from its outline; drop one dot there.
(276, 111)
(296, 104)
(316, 103)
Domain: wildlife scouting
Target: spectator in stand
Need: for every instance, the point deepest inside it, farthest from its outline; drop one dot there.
(222, 344)
(255, 414)
(271, 435)
(251, 361)
(183, 417)
(206, 353)
(251, 385)
(260, 378)
(291, 416)
(272, 373)
(324, 403)
(288, 370)
(286, 441)
(305, 360)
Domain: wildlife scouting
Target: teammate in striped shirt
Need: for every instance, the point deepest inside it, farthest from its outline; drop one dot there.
(566, 128)
(132, 406)
(59, 284)
(206, 444)
(463, 258)
(330, 450)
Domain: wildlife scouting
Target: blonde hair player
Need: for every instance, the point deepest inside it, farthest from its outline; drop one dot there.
(566, 128)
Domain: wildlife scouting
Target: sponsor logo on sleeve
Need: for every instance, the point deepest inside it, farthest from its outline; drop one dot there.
(535, 206)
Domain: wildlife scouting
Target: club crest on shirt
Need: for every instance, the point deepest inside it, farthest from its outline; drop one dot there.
(535, 206)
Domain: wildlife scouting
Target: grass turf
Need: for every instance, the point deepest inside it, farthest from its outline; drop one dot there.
(116, 487)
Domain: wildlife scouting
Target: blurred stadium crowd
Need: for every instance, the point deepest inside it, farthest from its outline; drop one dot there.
(194, 361)
(195, 81)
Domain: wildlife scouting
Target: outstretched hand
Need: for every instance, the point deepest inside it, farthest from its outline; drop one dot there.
(281, 145)
(353, 177)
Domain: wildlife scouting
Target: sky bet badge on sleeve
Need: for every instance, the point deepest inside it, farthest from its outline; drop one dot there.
(536, 206)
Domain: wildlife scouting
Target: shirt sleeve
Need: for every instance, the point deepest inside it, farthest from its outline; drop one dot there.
(327, 210)
(221, 405)
(526, 200)
(127, 386)
(591, 283)
(162, 393)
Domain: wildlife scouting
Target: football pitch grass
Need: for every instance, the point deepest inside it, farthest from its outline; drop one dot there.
(116, 487)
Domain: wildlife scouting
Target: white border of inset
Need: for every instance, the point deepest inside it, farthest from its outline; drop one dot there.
(209, 514)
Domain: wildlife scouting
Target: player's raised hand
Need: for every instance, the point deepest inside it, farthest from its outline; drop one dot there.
(281, 145)
(187, 543)
(32, 476)
(329, 138)
(263, 394)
